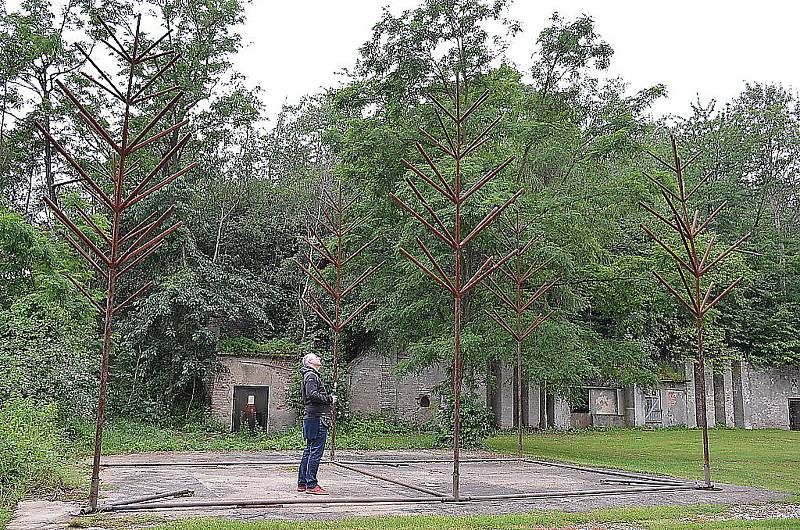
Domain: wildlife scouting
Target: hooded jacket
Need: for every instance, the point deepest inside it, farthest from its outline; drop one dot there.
(316, 400)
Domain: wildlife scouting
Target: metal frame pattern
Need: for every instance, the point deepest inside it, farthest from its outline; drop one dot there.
(122, 249)
(335, 221)
(640, 483)
(699, 299)
(458, 149)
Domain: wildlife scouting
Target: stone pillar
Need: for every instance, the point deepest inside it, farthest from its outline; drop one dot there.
(505, 398)
(711, 416)
(719, 398)
(738, 397)
(532, 412)
(638, 407)
(691, 396)
(560, 413)
(727, 381)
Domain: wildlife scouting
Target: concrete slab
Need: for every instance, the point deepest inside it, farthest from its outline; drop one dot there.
(250, 480)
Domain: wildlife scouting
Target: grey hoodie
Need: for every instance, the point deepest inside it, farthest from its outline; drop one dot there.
(316, 399)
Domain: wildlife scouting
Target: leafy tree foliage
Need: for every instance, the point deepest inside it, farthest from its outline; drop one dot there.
(577, 137)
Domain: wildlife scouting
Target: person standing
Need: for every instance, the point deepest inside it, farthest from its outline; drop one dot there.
(316, 420)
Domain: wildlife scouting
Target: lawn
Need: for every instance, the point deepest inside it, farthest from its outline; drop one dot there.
(656, 518)
(763, 458)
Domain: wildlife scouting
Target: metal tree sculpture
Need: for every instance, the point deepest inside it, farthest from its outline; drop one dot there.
(697, 263)
(456, 149)
(338, 226)
(519, 272)
(122, 249)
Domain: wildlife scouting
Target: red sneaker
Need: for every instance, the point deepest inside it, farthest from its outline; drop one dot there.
(317, 490)
(301, 488)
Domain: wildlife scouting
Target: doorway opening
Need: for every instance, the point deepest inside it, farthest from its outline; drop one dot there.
(250, 408)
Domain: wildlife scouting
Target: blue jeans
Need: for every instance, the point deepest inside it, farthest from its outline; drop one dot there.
(315, 433)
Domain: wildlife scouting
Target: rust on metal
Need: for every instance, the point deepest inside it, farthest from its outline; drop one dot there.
(119, 251)
(518, 273)
(454, 147)
(338, 226)
(692, 263)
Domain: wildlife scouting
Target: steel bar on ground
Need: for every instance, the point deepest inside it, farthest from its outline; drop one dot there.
(391, 480)
(254, 503)
(601, 471)
(632, 481)
(155, 497)
(582, 493)
(285, 462)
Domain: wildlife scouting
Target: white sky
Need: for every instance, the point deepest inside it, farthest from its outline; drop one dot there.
(705, 47)
(710, 47)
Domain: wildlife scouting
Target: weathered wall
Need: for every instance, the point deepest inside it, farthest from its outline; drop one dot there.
(504, 398)
(240, 370)
(375, 386)
(769, 393)
(736, 395)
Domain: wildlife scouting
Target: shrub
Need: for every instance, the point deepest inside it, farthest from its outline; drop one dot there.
(378, 423)
(29, 448)
(477, 422)
(280, 346)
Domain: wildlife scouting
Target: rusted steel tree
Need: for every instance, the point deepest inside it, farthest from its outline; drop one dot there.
(122, 248)
(458, 149)
(693, 262)
(518, 272)
(338, 226)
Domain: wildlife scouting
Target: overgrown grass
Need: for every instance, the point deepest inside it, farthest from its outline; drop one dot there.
(762, 458)
(656, 518)
(133, 437)
(31, 450)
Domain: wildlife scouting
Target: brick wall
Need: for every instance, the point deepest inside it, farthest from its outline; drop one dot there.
(375, 386)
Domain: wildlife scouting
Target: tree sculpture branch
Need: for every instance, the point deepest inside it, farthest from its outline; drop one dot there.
(121, 250)
(337, 223)
(518, 274)
(691, 263)
(452, 234)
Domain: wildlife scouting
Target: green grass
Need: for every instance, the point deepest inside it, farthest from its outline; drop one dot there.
(762, 458)
(656, 518)
(5, 516)
(133, 437)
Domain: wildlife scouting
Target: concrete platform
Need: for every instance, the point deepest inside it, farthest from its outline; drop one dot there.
(250, 479)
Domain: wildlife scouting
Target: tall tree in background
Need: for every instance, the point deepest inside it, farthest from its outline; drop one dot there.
(35, 52)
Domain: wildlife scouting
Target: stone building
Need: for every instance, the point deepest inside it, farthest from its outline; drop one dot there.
(261, 378)
(737, 395)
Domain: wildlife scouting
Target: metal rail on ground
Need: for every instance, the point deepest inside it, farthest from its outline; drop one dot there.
(391, 480)
(255, 503)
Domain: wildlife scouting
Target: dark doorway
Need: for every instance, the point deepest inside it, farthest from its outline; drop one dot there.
(250, 408)
(794, 414)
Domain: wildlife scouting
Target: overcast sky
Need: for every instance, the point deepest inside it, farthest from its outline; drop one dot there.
(705, 47)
